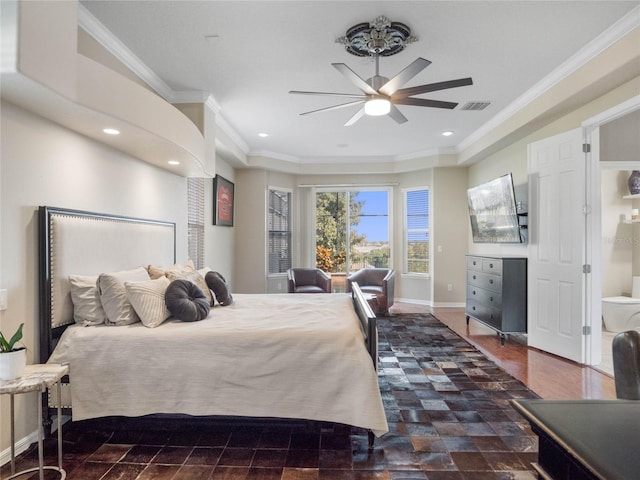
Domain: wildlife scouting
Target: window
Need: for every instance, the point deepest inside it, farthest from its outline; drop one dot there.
(417, 231)
(195, 220)
(279, 226)
(352, 230)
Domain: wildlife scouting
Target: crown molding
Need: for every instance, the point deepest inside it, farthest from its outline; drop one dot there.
(603, 41)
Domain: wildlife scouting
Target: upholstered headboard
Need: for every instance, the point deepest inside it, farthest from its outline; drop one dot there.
(73, 242)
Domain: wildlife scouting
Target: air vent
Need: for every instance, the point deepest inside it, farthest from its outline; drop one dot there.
(475, 106)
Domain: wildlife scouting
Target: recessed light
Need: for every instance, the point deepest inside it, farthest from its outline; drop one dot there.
(263, 135)
(447, 133)
(111, 131)
(173, 162)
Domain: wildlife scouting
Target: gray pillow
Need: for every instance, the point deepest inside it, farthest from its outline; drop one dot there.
(220, 288)
(113, 295)
(186, 301)
(87, 308)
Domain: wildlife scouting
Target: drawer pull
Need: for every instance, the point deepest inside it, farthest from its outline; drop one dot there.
(473, 308)
(491, 299)
(474, 277)
(473, 292)
(491, 265)
(491, 280)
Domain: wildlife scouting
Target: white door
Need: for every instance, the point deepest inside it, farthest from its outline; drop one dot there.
(556, 313)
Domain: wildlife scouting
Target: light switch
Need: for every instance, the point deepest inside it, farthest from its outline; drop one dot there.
(3, 299)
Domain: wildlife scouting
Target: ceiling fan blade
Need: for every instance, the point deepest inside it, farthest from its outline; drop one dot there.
(355, 78)
(328, 94)
(423, 102)
(432, 87)
(404, 76)
(334, 107)
(397, 115)
(356, 116)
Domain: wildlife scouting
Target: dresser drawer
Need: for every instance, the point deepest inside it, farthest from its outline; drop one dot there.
(484, 313)
(484, 297)
(492, 265)
(484, 280)
(474, 263)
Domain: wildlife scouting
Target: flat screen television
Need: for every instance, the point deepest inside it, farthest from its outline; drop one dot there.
(492, 210)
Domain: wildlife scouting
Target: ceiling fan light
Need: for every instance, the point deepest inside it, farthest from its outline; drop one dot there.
(377, 106)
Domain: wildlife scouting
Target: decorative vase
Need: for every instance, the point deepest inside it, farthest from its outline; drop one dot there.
(12, 364)
(634, 182)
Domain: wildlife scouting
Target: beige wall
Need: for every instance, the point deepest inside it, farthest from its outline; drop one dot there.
(42, 163)
(450, 230)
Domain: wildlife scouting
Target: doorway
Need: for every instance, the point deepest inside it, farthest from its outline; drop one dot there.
(618, 153)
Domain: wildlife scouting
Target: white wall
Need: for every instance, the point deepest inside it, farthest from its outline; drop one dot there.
(42, 163)
(219, 241)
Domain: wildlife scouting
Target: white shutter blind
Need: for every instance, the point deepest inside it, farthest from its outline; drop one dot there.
(279, 225)
(195, 220)
(417, 231)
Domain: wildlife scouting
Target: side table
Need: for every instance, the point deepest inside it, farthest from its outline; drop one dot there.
(36, 378)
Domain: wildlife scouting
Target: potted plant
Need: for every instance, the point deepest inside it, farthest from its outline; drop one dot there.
(13, 360)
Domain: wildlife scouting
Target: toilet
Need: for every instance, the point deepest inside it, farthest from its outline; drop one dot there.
(622, 313)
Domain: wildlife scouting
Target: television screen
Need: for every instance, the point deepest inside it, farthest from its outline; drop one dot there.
(492, 210)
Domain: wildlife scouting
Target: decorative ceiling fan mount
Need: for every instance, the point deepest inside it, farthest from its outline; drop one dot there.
(380, 37)
(379, 94)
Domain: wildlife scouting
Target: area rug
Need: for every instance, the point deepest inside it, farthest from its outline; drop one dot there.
(447, 405)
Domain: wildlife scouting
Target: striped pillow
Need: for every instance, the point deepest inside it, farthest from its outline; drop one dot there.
(147, 299)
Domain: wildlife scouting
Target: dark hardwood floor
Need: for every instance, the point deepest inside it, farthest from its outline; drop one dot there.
(549, 376)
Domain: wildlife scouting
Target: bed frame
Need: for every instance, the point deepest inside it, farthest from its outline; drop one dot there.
(80, 242)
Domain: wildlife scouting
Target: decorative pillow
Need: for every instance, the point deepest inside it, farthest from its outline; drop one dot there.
(87, 309)
(113, 295)
(196, 278)
(147, 299)
(157, 272)
(220, 287)
(186, 301)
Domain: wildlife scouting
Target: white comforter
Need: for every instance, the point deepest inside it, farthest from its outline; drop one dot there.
(285, 356)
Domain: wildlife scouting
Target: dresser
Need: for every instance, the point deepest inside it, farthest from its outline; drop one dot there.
(497, 292)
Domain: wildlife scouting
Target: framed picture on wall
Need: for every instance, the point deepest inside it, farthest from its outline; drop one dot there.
(222, 202)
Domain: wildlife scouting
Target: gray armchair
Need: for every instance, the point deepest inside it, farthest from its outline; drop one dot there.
(626, 364)
(377, 281)
(308, 280)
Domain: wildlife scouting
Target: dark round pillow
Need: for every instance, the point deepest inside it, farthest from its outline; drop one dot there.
(186, 301)
(220, 288)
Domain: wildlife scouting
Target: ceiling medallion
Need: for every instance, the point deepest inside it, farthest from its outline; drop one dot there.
(381, 37)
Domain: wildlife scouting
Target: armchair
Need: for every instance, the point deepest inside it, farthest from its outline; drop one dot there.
(377, 281)
(308, 280)
(626, 364)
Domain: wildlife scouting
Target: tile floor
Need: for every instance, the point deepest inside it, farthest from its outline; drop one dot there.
(447, 405)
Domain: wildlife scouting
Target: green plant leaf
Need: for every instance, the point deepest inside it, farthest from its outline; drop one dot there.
(8, 346)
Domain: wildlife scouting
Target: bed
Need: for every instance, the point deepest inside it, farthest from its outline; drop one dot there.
(279, 356)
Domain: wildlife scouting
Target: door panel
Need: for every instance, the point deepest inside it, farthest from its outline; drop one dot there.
(556, 246)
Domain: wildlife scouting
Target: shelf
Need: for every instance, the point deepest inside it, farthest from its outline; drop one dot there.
(631, 221)
(631, 197)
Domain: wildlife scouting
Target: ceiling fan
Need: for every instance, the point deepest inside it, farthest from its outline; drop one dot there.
(380, 95)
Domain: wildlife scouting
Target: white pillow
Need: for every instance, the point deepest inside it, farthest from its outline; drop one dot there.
(147, 299)
(113, 295)
(87, 309)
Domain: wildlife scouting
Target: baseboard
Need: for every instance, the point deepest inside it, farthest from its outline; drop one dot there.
(413, 301)
(22, 445)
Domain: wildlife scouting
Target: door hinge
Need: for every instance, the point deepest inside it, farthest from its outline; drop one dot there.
(586, 268)
(586, 330)
(586, 148)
